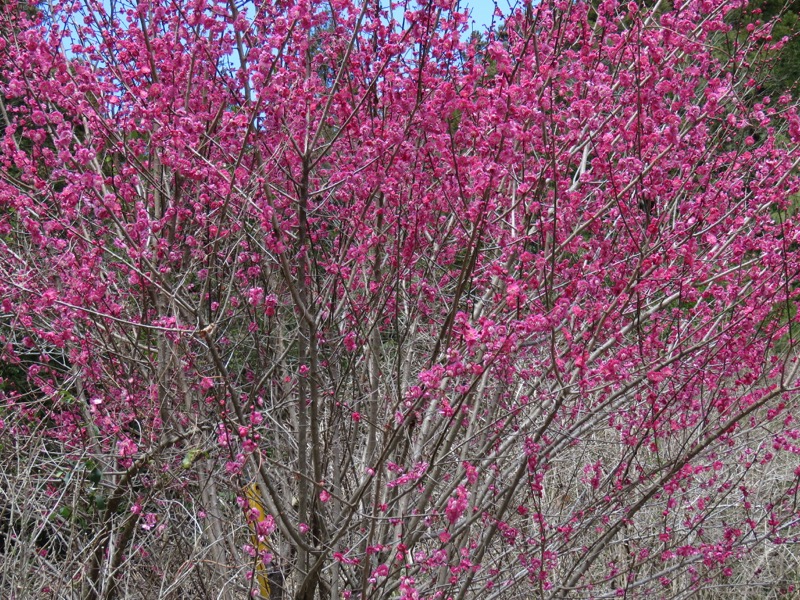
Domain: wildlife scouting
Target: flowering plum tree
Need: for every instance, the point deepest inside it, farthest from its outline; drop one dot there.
(317, 299)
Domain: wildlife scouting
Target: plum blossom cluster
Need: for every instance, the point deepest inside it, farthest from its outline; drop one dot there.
(511, 314)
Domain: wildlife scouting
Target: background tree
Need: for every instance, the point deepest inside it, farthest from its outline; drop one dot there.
(509, 320)
(781, 18)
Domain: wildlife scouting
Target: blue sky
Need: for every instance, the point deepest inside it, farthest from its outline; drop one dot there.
(482, 10)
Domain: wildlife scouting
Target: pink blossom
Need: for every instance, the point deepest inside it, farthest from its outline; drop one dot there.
(255, 296)
(457, 505)
(350, 342)
(381, 571)
(149, 521)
